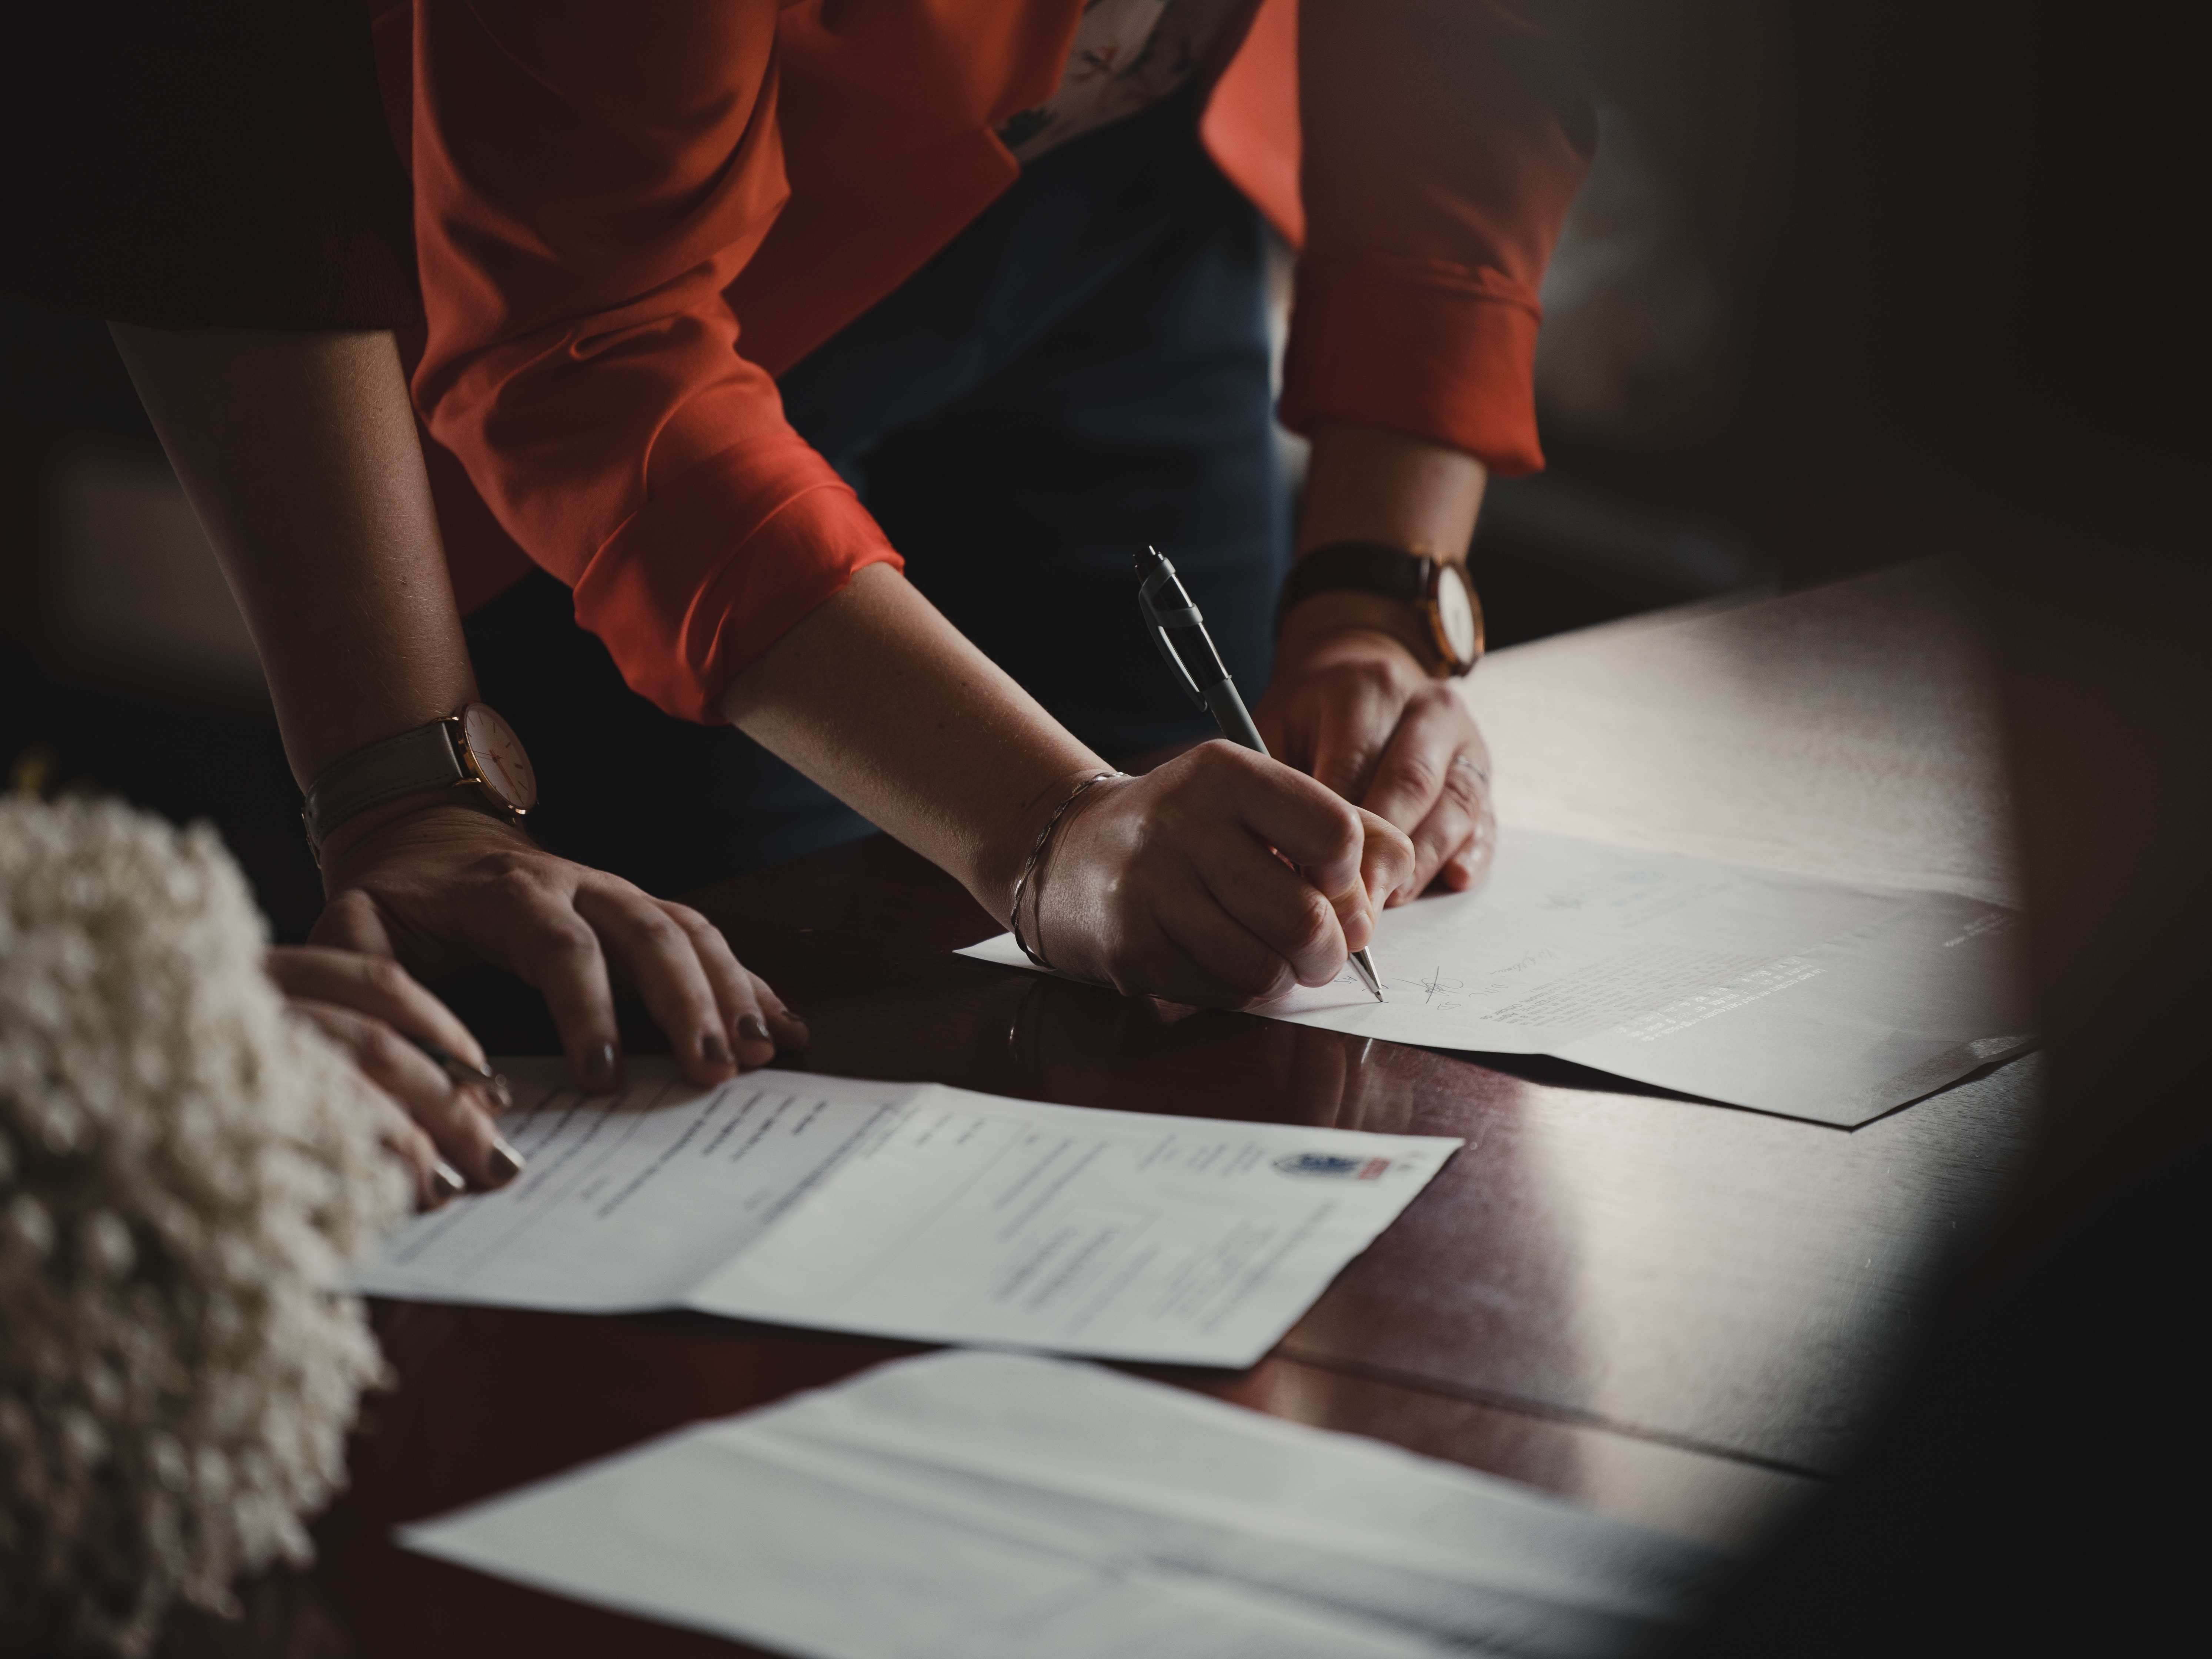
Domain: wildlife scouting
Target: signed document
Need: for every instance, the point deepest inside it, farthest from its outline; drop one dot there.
(911, 1210)
(995, 1506)
(1809, 998)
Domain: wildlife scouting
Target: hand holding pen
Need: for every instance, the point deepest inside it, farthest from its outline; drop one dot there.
(1170, 884)
(1220, 878)
(1180, 632)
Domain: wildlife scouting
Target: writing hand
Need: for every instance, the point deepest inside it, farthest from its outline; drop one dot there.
(1181, 883)
(1351, 704)
(440, 886)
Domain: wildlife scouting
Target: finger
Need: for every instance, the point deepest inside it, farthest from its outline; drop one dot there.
(1354, 730)
(1273, 904)
(1450, 826)
(1468, 866)
(401, 1137)
(372, 985)
(1387, 862)
(659, 958)
(458, 1127)
(352, 929)
(789, 1031)
(529, 926)
(737, 993)
(1311, 825)
(754, 1016)
(351, 921)
(1210, 959)
(1412, 773)
(1274, 729)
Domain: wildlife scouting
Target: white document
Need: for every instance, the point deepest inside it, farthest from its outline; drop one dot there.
(994, 1506)
(912, 1210)
(1793, 995)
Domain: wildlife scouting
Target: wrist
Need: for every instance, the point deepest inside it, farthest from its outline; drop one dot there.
(1427, 603)
(472, 749)
(427, 806)
(1029, 886)
(318, 733)
(1322, 619)
(1007, 851)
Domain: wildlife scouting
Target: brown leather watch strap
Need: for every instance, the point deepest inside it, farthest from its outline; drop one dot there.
(1359, 568)
(1438, 600)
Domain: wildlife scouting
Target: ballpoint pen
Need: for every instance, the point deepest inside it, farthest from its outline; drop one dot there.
(1180, 632)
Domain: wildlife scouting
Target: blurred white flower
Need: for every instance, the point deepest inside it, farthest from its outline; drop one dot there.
(185, 1168)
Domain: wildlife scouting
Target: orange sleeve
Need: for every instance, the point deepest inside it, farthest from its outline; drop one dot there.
(588, 180)
(1441, 143)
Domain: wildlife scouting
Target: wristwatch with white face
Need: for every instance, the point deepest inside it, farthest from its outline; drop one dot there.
(474, 750)
(1438, 590)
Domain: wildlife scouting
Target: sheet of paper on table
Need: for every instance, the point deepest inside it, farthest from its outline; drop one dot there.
(982, 1506)
(1807, 998)
(912, 1210)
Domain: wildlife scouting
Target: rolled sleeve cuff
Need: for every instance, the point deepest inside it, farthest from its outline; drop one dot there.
(1437, 350)
(719, 566)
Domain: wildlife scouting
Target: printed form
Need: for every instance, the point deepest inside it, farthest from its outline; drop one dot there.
(964, 1505)
(912, 1211)
(1809, 998)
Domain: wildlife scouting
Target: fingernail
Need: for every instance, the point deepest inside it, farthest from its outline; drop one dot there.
(714, 1049)
(446, 1180)
(799, 1026)
(602, 1068)
(505, 1162)
(753, 1029)
(502, 1094)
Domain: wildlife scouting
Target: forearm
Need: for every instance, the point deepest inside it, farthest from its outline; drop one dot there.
(1364, 483)
(299, 453)
(885, 704)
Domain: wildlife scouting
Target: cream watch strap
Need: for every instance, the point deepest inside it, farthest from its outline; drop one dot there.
(424, 758)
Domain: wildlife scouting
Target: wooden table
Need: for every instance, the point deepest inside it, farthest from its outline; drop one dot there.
(1672, 1311)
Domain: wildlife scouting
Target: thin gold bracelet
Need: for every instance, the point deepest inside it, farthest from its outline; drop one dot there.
(1037, 852)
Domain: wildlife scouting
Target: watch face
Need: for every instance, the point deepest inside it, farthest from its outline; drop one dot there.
(491, 746)
(1456, 615)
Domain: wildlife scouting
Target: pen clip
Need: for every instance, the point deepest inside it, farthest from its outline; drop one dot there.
(1158, 621)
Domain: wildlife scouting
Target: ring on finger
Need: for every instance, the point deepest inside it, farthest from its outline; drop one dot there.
(464, 1073)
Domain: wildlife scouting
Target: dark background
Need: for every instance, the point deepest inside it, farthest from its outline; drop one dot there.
(1850, 285)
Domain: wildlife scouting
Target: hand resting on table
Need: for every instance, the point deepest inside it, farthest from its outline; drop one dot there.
(437, 886)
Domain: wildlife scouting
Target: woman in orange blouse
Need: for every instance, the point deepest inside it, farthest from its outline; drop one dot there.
(639, 228)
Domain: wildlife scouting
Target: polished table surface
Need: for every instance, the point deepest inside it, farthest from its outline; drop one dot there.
(1673, 1311)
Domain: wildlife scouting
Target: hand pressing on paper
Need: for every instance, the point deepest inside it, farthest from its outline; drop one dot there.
(371, 1007)
(1351, 704)
(1221, 878)
(436, 886)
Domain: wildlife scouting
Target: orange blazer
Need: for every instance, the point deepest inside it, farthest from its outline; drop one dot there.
(629, 219)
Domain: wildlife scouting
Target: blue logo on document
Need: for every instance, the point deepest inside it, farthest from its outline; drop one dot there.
(1332, 1164)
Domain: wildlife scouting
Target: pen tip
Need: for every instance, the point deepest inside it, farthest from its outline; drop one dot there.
(1364, 965)
(1147, 560)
